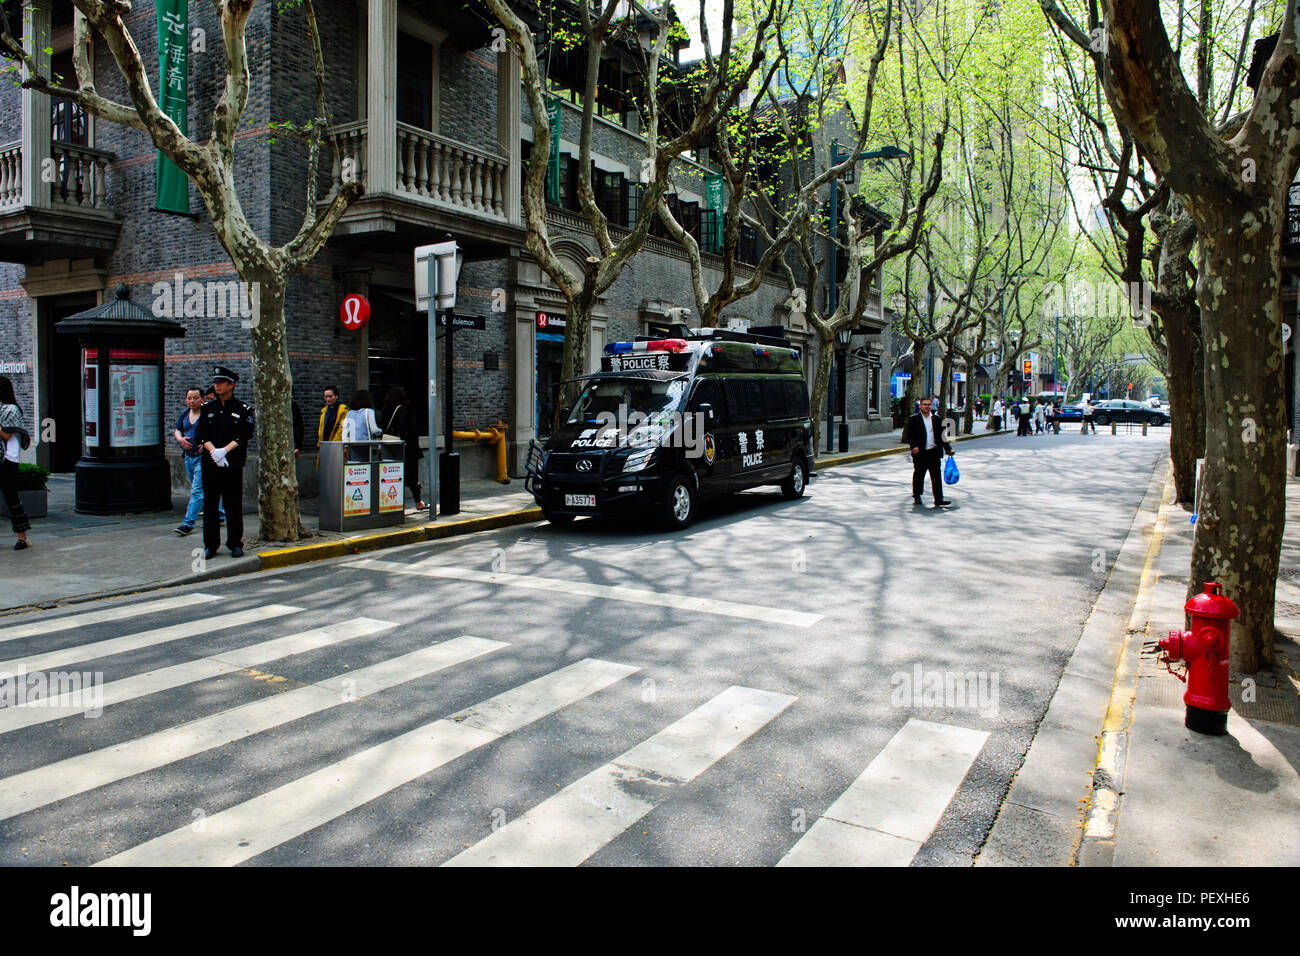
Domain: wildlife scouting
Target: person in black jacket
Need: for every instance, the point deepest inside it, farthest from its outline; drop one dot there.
(224, 431)
(398, 419)
(924, 434)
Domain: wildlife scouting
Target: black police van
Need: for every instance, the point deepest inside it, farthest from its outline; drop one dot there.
(670, 421)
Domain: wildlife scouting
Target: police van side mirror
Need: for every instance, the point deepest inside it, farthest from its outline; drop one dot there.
(706, 410)
(564, 413)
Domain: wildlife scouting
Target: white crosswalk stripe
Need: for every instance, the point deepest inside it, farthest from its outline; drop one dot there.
(65, 778)
(894, 806)
(43, 625)
(659, 599)
(134, 642)
(70, 703)
(586, 815)
(255, 826)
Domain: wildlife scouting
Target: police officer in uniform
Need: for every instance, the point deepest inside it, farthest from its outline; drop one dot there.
(224, 430)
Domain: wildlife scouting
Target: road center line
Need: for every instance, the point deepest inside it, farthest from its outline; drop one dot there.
(607, 592)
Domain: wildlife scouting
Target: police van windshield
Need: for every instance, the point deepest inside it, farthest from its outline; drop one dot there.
(617, 398)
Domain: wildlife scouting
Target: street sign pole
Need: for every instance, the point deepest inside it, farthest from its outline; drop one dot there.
(432, 264)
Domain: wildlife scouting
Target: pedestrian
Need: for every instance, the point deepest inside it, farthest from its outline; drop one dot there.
(1022, 417)
(925, 436)
(1049, 416)
(226, 426)
(1056, 418)
(192, 458)
(330, 427)
(1040, 418)
(1087, 417)
(995, 414)
(14, 437)
(400, 421)
(360, 423)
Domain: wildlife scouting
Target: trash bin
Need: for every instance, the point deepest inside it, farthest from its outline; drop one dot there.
(362, 485)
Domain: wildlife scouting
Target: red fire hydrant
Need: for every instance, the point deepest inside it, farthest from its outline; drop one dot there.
(1205, 649)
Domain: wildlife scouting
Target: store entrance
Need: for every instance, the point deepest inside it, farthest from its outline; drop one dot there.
(64, 388)
(550, 357)
(399, 352)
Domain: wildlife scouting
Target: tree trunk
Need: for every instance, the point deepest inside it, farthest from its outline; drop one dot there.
(277, 482)
(821, 382)
(1186, 380)
(1243, 496)
(577, 331)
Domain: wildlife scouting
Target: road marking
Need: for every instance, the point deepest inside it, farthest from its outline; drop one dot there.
(66, 778)
(70, 703)
(607, 592)
(569, 827)
(257, 825)
(132, 642)
(121, 612)
(885, 816)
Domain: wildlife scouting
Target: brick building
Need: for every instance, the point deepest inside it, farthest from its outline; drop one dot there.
(435, 123)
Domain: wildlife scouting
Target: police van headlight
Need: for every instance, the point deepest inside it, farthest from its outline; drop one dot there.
(638, 460)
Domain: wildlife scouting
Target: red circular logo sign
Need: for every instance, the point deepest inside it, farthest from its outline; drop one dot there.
(354, 313)
(541, 320)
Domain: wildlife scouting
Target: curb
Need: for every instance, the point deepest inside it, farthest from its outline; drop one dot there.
(1057, 787)
(853, 458)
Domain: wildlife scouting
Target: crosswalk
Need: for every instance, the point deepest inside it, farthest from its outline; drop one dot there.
(884, 817)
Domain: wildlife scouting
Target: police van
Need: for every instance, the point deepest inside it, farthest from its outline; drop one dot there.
(668, 422)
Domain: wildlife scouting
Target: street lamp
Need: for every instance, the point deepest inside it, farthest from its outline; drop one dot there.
(843, 337)
(888, 152)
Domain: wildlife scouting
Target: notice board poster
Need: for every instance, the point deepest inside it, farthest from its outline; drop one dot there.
(133, 412)
(356, 491)
(391, 474)
(90, 388)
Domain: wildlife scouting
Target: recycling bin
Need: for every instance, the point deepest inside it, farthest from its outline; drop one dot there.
(362, 485)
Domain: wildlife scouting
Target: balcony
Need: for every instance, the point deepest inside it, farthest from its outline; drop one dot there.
(64, 212)
(434, 182)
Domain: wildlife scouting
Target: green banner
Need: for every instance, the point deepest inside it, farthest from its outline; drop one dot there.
(173, 187)
(553, 165)
(714, 201)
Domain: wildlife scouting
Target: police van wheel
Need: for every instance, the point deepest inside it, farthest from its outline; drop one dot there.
(679, 505)
(793, 487)
(558, 520)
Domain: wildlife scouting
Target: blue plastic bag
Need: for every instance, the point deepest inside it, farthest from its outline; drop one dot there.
(950, 474)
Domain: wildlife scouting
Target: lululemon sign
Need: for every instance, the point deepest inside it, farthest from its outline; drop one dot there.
(354, 313)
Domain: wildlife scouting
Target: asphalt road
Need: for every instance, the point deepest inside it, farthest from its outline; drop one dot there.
(601, 693)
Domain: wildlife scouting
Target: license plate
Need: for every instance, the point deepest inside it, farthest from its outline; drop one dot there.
(579, 501)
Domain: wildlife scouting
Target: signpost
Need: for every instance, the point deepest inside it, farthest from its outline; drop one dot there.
(437, 268)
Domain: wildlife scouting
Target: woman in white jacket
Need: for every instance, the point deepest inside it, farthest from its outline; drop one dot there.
(360, 424)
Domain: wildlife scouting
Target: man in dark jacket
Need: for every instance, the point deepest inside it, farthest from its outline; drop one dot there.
(224, 430)
(924, 434)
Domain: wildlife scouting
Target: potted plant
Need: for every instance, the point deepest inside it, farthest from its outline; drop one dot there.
(32, 493)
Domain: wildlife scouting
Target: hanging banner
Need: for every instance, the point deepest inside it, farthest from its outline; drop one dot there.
(173, 187)
(553, 164)
(714, 201)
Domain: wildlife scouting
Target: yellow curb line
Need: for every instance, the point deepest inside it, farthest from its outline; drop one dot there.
(1102, 807)
(303, 554)
(852, 458)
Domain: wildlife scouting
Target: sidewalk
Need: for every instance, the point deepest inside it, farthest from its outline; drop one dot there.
(1113, 778)
(77, 557)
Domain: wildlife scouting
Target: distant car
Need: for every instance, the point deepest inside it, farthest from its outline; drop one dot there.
(1072, 412)
(1122, 410)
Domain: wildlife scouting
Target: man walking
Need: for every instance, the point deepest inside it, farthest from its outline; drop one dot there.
(925, 436)
(1087, 417)
(225, 428)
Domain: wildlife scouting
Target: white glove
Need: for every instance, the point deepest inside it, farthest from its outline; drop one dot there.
(223, 463)
(218, 455)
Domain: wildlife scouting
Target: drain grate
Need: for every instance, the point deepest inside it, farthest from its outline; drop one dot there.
(1281, 706)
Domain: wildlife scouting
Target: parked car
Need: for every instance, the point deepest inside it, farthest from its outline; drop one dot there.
(1122, 410)
(1072, 412)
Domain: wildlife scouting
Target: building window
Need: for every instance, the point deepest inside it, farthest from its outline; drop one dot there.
(414, 82)
(68, 121)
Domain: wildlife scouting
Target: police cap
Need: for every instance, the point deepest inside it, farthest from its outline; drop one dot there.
(223, 374)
